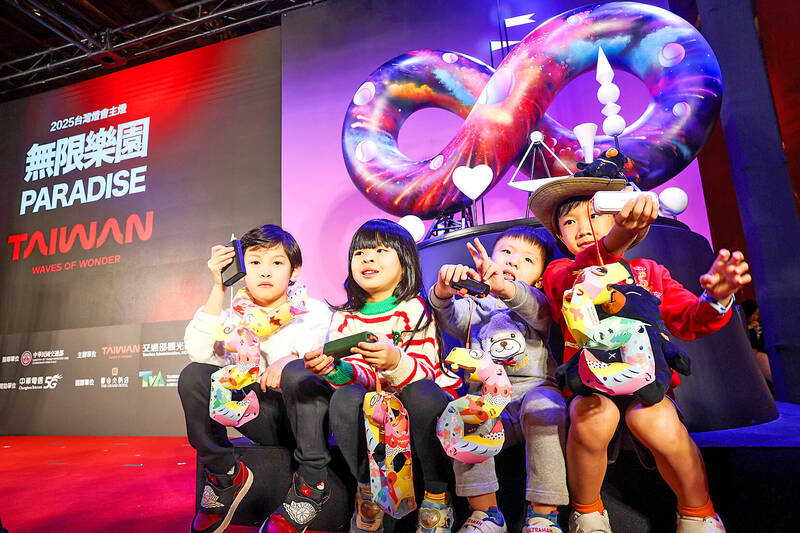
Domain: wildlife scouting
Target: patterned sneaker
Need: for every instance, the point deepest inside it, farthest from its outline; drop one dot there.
(589, 522)
(221, 495)
(540, 523)
(368, 516)
(692, 524)
(302, 504)
(435, 517)
(491, 521)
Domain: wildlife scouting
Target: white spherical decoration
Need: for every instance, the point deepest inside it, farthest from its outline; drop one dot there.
(681, 109)
(436, 162)
(613, 125)
(366, 151)
(414, 225)
(671, 55)
(608, 93)
(364, 94)
(537, 136)
(673, 201)
(449, 57)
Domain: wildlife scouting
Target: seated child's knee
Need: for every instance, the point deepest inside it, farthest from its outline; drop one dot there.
(593, 414)
(661, 426)
(293, 373)
(543, 407)
(194, 375)
(347, 400)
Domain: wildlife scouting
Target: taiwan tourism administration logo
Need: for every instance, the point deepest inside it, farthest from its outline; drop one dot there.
(26, 358)
(152, 379)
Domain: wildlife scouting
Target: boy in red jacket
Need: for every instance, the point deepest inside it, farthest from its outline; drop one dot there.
(564, 208)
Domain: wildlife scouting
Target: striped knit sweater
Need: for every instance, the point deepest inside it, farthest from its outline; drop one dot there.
(393, 321)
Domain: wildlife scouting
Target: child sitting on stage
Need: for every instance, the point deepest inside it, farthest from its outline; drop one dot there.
(564, 208)
(272, 260)
(537, 412)
(383, 285)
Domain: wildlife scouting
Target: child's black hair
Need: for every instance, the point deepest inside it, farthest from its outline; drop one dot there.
(270, 235)
(568, 205)
(382, 232)
(532, 237)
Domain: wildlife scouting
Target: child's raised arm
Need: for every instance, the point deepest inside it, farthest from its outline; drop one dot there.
(529, 303)
(452, 315)
(199, 336)
(490, 272)
(221, 256)
(727, 274)
(635, 217)
(450, 273)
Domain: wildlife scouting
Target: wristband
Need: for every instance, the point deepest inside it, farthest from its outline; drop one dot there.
(342, 373)
(718, 307)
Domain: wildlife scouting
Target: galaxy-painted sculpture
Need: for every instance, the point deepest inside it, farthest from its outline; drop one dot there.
(501, 109)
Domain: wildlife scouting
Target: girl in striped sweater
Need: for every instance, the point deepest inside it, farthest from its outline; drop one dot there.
(383, 297)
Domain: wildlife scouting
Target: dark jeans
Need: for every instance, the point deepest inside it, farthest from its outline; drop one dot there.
(424, 401)
(210, 439)
(307, 397)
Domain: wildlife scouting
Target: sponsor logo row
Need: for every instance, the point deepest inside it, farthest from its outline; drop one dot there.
(117, 351)
(146, 379)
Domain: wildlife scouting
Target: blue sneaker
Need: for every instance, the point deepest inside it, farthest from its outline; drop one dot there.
(490, 521)
(435, 517)
(540, 523)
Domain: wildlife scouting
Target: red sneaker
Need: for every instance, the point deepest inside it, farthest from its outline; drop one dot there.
(221, 497)
(303, 502)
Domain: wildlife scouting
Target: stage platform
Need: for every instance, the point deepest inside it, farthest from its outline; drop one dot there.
(137, 484)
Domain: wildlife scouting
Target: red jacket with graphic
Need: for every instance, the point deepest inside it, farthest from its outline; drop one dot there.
(686, 316)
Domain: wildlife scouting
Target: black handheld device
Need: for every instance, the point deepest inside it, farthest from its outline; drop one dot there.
(473, 287)
(235, 269)
(341, 347)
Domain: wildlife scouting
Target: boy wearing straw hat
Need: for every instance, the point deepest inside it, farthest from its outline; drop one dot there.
(564, 207)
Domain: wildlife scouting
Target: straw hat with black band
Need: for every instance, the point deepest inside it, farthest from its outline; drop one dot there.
(546, 199)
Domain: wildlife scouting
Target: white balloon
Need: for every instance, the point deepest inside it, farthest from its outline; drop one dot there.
(414, 225)
(613, 125)
(673, 200)
(608, 93)
(473, 181)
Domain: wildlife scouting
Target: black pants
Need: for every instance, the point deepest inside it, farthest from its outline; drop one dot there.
(424, 401)
(210, 438)
(307, 397)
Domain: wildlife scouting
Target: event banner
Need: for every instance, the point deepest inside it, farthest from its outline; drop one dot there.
(113, 192)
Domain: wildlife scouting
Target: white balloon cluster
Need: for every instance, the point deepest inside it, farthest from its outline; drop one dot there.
(608, 94)
(673, 201)
(414, 225)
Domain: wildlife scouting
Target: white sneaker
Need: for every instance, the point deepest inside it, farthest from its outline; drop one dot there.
(540, 523)
(589, 522)
(481, 522)
(692, 524)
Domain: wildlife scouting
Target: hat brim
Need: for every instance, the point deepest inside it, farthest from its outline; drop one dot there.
(546, 199)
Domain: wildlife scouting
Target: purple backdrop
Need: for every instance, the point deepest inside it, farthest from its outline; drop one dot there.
(327, 52)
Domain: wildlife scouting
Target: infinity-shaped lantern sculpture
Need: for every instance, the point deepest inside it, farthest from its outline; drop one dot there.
(502, 108)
